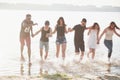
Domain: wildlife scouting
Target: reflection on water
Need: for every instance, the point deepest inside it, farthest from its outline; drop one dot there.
(29, 69)
(10, 51)
(109, 67)
(22, 70)
(42, 71)
(94, 68)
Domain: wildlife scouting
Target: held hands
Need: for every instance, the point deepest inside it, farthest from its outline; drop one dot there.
(69, 29)
(35, 24)
(98, 41)
(33, 35)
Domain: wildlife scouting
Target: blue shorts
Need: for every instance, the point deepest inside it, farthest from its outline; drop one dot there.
(44, 44)
(61, 40)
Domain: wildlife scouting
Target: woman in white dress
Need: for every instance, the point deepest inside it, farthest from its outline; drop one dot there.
(93, 38)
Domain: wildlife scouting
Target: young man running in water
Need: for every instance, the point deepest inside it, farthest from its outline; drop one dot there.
(79, 37)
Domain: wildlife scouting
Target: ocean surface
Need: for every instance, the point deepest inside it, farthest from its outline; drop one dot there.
(10, 24)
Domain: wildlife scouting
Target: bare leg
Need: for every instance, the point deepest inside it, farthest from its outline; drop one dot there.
(22, 57)
(46, 55)
(81, 56)
(93, 53)
(29, 54)
(63, 50)
(41, 53)
(77, 53)
(58, 50)
(89, 52)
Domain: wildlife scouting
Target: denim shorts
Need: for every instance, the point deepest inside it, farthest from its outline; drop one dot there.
(61, 40)
(44, 44)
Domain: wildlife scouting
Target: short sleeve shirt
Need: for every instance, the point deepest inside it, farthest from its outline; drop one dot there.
(79, 33)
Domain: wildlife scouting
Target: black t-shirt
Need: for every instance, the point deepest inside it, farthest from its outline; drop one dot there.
(43, 35)
(79, 33)
(26, 26)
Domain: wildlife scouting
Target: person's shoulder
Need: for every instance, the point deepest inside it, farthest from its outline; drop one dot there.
(106, 28)
(43, 27)
(24, 20)
(77, 25)
(57, 25)
(50, 28)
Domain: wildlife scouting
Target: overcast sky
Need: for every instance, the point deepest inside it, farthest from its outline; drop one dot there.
(97, 3)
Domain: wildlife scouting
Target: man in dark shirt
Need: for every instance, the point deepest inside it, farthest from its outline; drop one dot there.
(79, 37)
(26, 28)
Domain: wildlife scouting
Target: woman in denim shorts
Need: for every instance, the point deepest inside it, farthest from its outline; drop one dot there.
(61, 39)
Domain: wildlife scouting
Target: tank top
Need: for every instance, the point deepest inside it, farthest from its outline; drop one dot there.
(43, 35)
(109, 34)
(60, 31)
(25, 28)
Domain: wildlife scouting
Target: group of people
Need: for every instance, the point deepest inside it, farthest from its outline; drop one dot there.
(61, 30)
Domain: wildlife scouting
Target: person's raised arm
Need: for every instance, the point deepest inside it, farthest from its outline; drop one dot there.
(35, 24)
(88, 28)
(71, 29)
(31, 29)
(50, 32)
(116, 33)
(66, 31)
(98, 36)
(37, 32)
(102, 35)
(89, 31)
(54, 30)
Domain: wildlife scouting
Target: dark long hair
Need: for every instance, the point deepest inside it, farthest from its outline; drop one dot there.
(58, 22)
(93, 27)
(115, 26)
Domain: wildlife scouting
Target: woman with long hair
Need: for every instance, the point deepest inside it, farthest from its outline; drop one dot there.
(108, 41)
(93, 38)
(60, 28)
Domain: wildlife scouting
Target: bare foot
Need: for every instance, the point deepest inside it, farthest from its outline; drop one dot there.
(41, 61)
(80, 59)
(45, 57)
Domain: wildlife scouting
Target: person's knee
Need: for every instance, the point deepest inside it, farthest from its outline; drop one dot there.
(41, 49)
(110, 50)
(22, 45)
(93, 50)
(29, 48)
(46, 50)
(109, 55)
(63, 54)
(82, 52)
